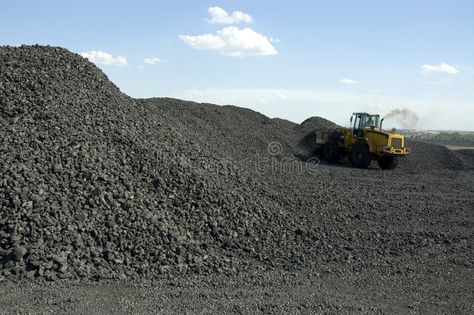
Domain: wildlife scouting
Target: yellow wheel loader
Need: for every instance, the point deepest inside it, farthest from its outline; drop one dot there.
(363, 142)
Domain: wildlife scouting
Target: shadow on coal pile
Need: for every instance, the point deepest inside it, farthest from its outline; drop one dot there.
(307, 158)
(317, 159)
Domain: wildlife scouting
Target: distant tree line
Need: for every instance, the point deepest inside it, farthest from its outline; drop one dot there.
(445, 136)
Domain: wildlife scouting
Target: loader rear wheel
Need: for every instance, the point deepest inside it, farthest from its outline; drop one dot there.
(360, 156)
(388, 162)
(331, 152)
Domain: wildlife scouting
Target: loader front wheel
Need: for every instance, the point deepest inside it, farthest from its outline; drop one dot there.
(387, 162)
(331, 152)
(360, 156)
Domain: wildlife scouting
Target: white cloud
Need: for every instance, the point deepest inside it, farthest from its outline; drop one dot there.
(233, 41)
(152, 61)
(220, 16)
(349, 81)
(441, 68)
(101, 57)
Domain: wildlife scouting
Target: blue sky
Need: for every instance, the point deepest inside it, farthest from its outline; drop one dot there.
(288, 59)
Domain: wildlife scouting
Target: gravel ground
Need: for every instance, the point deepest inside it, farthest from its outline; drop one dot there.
(303, 292)
(112, 204)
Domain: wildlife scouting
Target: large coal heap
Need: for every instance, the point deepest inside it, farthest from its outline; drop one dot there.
(97, 185)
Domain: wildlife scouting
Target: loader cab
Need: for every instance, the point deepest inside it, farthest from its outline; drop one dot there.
(361, 121)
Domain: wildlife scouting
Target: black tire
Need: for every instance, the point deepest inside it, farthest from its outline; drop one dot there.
(331, 152)
(360, 156)
(388, 162)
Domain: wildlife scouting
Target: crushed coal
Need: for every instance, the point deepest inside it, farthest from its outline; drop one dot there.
(428, 156)
(97, 185)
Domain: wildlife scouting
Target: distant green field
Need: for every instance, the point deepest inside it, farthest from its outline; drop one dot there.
(459, 147)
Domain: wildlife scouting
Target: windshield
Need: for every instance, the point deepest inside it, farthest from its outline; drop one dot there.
(367, 121)
(370, 121)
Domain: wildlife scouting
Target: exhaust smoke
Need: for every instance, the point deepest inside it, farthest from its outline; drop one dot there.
(405, 117)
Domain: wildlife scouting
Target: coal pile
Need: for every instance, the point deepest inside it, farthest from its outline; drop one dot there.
(98, 185)
(227, 131)
(467, 156)
(309, 128)
(93, 186)
(427, 156)
(317, 122)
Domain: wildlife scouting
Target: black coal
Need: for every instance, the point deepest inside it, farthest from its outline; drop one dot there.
(95, 184)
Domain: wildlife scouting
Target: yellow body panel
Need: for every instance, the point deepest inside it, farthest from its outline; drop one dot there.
(380, 143)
